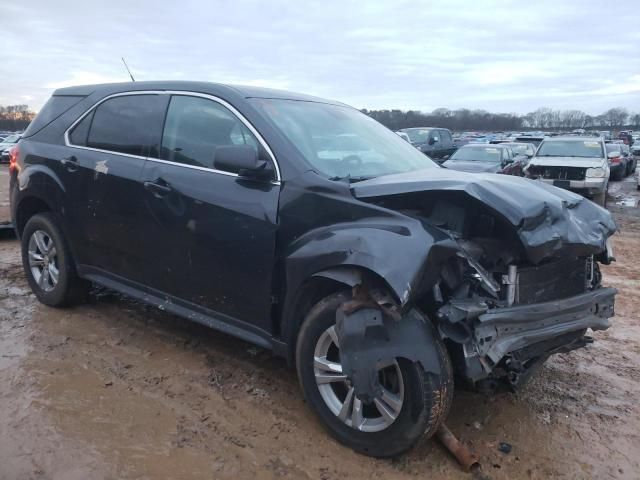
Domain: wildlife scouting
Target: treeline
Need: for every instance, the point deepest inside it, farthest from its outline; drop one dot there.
(542, 119)
(15, 117)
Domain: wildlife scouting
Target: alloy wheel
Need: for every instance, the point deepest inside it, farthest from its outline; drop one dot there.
(338, 393)
(43, 260)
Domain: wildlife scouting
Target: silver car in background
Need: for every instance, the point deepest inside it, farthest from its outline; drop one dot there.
(579, 164)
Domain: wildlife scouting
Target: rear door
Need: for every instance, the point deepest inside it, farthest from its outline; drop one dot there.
(108, 150)
(210, 234)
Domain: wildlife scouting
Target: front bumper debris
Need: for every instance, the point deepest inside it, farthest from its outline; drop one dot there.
(501, 332)
(504, 330)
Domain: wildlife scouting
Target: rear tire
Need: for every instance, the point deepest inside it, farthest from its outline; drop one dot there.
(425, 397)
(48, 264)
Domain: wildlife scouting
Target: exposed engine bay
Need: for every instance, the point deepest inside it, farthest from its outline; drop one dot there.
(501, 306)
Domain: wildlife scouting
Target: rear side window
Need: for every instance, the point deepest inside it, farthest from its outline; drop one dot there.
(196, 126)
(55, 106)
(80, 132)
(126, 124)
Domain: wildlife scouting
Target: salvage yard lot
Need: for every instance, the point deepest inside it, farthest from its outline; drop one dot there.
(116, 389)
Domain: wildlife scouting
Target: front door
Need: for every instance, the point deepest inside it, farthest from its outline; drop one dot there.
(211, 234)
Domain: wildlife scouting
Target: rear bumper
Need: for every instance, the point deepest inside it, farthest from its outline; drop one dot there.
(504, 330)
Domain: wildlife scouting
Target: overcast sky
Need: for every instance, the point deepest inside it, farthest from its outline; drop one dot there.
(499, 56)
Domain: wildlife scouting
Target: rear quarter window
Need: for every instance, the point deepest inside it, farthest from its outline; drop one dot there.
(55, 106)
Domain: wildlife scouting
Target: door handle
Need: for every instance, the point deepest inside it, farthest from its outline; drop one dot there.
(70, 163)
(158, 189)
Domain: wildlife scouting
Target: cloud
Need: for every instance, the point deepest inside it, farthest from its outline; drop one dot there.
(87, 78)
(496, 55)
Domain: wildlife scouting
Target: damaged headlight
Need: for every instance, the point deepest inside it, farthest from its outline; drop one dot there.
(595, 172)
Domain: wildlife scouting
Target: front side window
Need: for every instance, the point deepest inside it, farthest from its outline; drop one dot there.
(126, 124)
(570, 148)
(341, 142)
(418, 135)
(196, 126)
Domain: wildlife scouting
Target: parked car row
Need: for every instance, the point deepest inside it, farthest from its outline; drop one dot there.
(622, 162)
(499, 158)
(6, 143)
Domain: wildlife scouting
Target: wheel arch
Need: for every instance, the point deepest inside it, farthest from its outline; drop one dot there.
(27, 207)
(316, 287)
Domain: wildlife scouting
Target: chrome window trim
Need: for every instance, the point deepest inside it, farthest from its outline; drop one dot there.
(186, 93)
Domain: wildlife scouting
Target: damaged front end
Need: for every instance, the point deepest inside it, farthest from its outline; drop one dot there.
(501, 337)
(515, 280)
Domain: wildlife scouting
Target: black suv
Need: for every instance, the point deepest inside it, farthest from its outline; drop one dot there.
(305, 227)
(437, 143)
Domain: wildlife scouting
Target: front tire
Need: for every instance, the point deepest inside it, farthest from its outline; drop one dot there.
(48, 264)
(413, 405)
(600, 199)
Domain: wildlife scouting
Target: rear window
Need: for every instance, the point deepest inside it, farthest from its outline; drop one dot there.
(570, 148)
(478, 154)
(55, 106)
(125, 124)
(612, 147)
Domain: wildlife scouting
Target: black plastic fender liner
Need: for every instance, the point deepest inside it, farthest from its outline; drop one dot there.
(370, 340)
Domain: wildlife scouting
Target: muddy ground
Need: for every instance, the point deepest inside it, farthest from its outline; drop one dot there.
(117, 390)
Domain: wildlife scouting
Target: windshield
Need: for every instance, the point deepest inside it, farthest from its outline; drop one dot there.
(475, 154)
(11, 139)
(570, 148)
(418, 135)
(341, 142)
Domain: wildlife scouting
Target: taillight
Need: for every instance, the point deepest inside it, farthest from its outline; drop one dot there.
(13, 158)
(614, 160)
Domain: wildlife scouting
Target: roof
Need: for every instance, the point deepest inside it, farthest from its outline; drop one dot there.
(484, 145)
(203, 87)
(574, 138)
(420, 128)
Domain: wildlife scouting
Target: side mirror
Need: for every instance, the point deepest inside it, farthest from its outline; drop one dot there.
(432, 141)
(241, 159)
(613, 154)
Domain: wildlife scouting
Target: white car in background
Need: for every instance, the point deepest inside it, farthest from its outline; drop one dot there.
(579, 164)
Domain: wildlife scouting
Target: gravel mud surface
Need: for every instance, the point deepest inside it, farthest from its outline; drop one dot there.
(117, 390)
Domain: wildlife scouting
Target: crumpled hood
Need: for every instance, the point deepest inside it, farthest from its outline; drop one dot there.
(471, 166)
(567, 162)
(549, 221)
